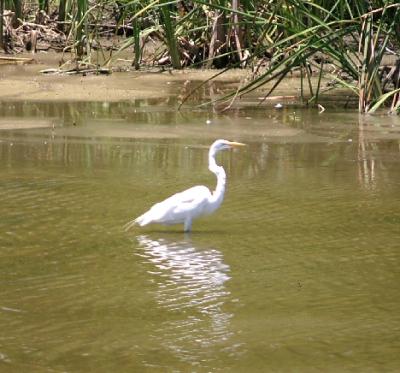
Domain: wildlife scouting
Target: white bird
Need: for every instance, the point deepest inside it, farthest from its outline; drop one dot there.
(185, 206)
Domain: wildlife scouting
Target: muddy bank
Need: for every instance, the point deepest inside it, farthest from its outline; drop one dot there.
(25, 82)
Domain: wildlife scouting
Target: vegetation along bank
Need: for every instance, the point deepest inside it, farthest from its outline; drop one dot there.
(328, 44)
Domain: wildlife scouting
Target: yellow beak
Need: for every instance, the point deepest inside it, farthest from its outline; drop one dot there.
(236, 144)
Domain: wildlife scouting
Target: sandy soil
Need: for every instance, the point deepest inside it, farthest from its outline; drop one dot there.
(25, 82)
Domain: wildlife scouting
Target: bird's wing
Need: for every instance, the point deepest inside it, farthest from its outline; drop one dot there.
(192, 200)
(175, 208)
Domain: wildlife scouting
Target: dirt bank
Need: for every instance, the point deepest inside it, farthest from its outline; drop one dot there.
(20, 81)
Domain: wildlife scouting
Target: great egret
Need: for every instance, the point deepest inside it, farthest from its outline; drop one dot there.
(185, 206)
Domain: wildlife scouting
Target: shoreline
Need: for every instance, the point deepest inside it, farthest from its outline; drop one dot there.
(20, 82)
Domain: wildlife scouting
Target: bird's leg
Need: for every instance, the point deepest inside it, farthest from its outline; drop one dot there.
(188, 225)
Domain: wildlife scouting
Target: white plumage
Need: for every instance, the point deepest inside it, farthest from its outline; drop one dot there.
(185, 206)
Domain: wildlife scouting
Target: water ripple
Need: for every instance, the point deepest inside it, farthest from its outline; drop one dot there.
(191, 289)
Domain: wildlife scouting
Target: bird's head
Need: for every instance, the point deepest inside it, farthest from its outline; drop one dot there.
(214, 149)
(224, 144)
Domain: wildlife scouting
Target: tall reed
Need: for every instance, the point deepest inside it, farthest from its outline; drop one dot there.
(62, 11)
(81, 27)
(1, 23)
(167, 20)
(136, 39)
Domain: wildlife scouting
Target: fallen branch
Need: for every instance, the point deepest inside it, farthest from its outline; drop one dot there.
(270, 98)
(74, 71)
(16, 59)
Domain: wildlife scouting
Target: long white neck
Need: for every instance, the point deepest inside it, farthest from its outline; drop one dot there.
(218, 194)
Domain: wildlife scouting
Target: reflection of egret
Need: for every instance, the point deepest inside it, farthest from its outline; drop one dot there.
(191, 287)
(185, 206)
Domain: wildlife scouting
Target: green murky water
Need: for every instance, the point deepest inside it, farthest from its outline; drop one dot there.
(297, 272)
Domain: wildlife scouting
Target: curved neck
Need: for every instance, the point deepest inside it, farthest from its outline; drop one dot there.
(218, 194)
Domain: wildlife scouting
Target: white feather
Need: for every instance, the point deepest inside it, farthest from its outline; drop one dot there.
(185, 206)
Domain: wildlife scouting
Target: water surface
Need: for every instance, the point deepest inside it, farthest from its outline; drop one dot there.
(298, 270)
